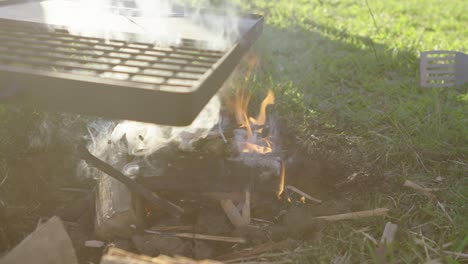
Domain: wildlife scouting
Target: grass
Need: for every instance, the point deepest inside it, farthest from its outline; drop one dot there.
(346, 78)
(346, 74)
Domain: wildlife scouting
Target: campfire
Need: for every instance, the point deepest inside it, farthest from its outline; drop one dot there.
(207, 178)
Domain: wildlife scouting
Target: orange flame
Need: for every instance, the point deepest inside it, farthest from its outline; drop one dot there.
(261, 118)
(282, 177)
(253, 126)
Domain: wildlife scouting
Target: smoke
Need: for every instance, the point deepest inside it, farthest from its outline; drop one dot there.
(162, 22)
(115, 142)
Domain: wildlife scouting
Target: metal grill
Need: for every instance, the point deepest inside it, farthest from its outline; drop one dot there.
(164, 68)
(47, 67)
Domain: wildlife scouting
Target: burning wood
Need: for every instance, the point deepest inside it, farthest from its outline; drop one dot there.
(253, 142)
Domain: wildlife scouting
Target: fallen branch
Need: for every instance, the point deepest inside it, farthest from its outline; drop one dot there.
(354, 215)
(307, 196)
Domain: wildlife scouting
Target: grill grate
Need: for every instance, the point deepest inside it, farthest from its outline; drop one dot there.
(124, 77)
(163, 67)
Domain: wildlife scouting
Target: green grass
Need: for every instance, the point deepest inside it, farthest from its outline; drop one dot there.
(346, 77)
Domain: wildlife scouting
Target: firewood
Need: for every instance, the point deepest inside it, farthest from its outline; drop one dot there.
(119, 256)
(49, 243)
(354, 215)
(233, 213)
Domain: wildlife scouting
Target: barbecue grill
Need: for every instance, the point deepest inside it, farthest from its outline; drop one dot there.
(121, 73)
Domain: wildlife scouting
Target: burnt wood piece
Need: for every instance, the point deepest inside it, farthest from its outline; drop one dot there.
(203, 174)
(185, 183)
(132, 185)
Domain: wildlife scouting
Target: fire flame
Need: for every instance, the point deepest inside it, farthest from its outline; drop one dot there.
(282, 177)
(253, 126)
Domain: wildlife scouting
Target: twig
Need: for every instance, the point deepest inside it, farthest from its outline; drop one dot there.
(200, 236)
(354, 215)
(212, 238)
(417, 187)
(296, 190)
(372, 239)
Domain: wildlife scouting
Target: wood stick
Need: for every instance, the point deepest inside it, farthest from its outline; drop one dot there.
(417, 187)
(232, 213)
(212, 238)
(135, 187)
(354, 215)
(307, 196)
